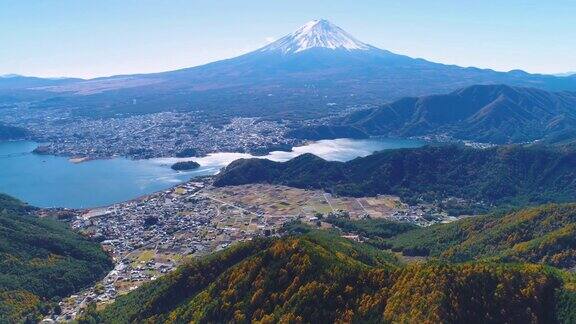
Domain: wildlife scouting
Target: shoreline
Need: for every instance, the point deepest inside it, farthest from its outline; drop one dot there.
(203, 179)
(77, 160)
(332, 150)
(41, 149)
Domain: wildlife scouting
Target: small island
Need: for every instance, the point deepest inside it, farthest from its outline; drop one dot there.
(185, 166)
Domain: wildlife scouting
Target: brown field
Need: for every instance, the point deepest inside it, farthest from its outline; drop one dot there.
(272, 201)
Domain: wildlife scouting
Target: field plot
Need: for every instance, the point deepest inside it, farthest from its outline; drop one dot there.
(275, 204)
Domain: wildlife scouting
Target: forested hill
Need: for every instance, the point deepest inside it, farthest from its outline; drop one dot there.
(514, 175)
(483, 113)
(321, 278)
(40, 261)
(543, 234)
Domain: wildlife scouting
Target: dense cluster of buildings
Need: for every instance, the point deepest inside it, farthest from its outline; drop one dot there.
(164, 134)
(151, 236)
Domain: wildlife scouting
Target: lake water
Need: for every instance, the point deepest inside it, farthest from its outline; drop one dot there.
(51, 181)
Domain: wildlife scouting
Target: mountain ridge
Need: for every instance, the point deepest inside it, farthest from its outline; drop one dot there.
(319, 277)
(500, 177)
(324, 67)
(482, 113)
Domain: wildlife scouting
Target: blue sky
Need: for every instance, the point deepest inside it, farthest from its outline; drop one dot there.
(91, 38)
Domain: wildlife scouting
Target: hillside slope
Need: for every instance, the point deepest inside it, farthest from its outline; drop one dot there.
(40, 261)
(320, 278)
(482, 113)
(513, 175)
(544, 234)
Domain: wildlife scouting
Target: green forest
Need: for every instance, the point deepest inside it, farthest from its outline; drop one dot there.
(319, 277)
(503, 177)
(544, 234)
(41, 261)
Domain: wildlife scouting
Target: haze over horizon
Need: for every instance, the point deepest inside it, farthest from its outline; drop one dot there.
(69, 39)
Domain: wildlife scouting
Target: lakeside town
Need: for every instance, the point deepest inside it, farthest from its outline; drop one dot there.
(150, 236)
(163, 134)
(65, 132)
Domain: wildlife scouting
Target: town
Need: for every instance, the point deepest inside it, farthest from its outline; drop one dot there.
(167, 134)
(66, 132)
(150, 236)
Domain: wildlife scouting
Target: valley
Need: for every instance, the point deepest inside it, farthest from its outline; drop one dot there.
(153, 235)
(305, 178)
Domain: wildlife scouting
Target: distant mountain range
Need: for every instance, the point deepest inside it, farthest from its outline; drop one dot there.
(302, 74)
(19, 82)
(482, 113)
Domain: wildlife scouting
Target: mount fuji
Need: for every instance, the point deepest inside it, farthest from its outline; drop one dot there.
(316, 34)
(306, 73)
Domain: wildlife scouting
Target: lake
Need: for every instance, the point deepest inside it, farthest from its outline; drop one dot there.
(52, 181)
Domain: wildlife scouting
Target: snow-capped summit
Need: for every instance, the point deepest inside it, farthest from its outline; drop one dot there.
(316, 34)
